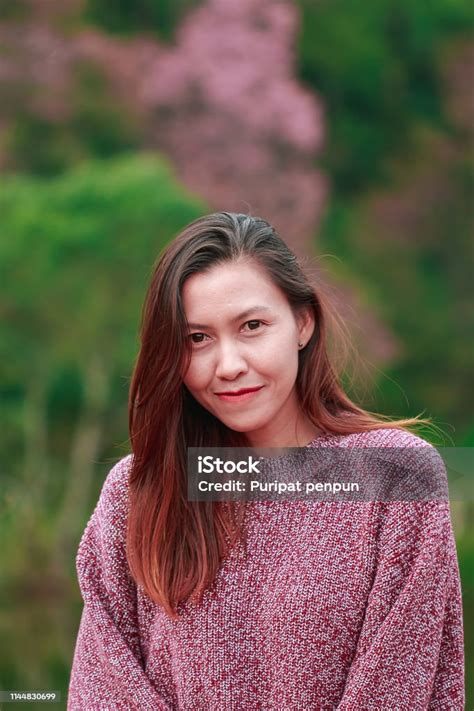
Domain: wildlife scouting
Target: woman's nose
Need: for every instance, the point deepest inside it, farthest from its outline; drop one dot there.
(230, 362)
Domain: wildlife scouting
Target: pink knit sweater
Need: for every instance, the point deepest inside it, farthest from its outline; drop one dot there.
(353, 605)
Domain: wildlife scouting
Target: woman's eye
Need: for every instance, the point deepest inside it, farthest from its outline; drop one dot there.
(254, 324)
(197, 337)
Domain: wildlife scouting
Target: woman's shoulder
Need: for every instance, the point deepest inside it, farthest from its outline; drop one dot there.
(408, 445)
(386, 437)
(101, 556)
(417, 468)
(112, 506)
(117, 478)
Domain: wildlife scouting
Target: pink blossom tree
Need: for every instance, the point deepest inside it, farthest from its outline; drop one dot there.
(223, 103)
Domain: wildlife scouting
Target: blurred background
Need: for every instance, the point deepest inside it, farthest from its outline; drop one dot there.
(348, 125)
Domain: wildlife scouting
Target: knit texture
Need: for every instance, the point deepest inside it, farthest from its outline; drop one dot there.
(334, 605)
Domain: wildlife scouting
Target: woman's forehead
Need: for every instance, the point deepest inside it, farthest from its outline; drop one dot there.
(233, 288)
(230, 277)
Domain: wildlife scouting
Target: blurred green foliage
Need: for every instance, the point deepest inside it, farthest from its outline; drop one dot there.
(96, 125)
(400, 212)
(13, 11)
(160, 17)
(75, 256)
(465, 549)
(416, 273)
(377, 67)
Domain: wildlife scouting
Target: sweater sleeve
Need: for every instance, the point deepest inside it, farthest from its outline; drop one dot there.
(107, 671)
(410, 653)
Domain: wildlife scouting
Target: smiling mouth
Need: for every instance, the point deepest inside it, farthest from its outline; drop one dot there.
(238, 395)
(243, 391)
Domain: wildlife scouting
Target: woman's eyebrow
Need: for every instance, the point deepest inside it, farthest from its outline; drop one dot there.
(243, 314)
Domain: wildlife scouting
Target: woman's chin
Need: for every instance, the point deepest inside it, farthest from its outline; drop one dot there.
(244, 427)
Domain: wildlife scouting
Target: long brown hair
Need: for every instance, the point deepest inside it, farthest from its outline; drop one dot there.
(175, 546)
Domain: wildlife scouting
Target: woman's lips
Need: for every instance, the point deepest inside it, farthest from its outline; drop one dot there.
(247, 394)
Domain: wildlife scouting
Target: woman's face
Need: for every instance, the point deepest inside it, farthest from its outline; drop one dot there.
(244, 335)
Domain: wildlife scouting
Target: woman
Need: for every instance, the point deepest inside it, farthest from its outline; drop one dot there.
(270, 605)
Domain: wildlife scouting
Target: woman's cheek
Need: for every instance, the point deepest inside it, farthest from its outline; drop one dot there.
(200, 372)
(274, 355)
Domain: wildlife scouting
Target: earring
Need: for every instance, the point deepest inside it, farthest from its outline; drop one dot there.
(300, 345)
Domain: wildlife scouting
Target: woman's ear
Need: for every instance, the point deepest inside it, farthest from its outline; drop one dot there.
(306, 324)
